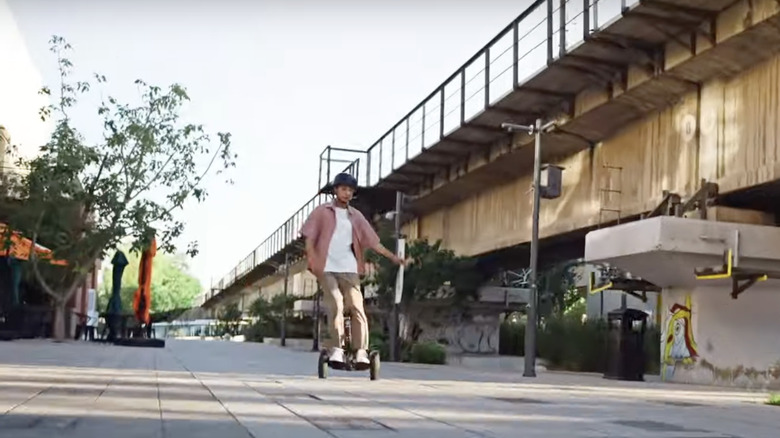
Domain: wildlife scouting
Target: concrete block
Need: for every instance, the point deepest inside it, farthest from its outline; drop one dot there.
(666, 250)
(721, 213)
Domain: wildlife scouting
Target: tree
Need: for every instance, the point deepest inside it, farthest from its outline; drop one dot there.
(269, 312)
(82, 197)
(433, 273)
(173, 287)
(231, 318)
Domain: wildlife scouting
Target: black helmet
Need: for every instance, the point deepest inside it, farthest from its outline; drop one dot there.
(345, 179)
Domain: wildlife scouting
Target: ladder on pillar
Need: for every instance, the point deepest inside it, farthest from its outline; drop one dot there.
(609, 194)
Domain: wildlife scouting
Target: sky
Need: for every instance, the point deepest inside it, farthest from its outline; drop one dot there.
(285, 77)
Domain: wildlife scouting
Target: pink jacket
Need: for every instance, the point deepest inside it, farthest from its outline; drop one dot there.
(320, 227)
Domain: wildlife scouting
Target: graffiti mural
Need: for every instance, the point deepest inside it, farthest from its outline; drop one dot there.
(474, 334)
(678, 347)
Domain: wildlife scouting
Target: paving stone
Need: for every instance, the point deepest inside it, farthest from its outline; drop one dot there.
(193, 389)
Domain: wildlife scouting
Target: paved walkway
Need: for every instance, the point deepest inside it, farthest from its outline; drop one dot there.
(194, 389)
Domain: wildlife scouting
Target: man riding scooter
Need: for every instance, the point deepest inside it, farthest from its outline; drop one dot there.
(336, 237)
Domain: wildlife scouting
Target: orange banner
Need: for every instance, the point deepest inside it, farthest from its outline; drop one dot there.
(143, 295)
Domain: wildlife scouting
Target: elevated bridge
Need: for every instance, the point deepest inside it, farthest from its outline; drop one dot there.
(650, 98)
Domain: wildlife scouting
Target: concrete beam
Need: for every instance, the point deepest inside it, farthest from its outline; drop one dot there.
(666, 250)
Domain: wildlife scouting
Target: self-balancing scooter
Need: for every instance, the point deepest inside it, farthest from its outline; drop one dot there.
(349, 357)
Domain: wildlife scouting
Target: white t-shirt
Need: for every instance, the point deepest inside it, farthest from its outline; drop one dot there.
(341, 259)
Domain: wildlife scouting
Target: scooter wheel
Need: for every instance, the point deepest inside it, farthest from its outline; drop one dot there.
(375, 364)
(322, 365)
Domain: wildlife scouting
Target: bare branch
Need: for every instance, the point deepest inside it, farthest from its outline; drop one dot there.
(152, 180)
(198, 179)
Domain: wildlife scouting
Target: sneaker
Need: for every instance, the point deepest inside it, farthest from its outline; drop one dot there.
(361, 360)
(336, 356)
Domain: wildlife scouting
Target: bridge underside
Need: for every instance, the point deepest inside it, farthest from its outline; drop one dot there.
(641, 63)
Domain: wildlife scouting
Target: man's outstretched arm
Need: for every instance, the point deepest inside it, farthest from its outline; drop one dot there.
(379, 248)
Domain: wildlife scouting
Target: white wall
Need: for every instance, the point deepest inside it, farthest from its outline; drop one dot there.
(20, 81)
(737, 341)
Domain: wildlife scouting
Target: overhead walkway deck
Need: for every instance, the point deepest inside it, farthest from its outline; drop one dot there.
(593, 66)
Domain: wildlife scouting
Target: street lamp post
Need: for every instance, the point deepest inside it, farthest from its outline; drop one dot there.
(316, 340)
(284, 308)
(530, 330)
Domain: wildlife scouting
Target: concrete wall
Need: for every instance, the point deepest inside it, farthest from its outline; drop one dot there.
(731, 342)
(476, 333)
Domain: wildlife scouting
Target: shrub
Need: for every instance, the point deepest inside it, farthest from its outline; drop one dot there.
(378, 341)
(253, 333)
(774, 400)
(511, 339)
(429, 353)
(568, 344)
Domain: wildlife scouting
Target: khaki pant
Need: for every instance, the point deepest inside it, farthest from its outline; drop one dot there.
(342, 293)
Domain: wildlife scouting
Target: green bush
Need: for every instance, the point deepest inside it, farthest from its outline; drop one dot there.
(511, 339)
(774, 400)
(378, 341)
(253, 333)
(568, 344)
(429, 353)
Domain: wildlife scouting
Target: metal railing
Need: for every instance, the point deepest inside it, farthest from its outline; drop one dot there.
(545, 31)
(274, 244)
(333, 157)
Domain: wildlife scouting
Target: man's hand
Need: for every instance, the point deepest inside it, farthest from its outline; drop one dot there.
(399, 261)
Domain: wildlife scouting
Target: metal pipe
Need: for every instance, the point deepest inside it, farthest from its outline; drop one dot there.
(368, 168)
(422, 130)
(395, 320)
(516, 55)
(407, 139)
(585, 19)
(392, 152)
(284, 307)
(328, 178)
(487, 78)
(319, 175)
(357, 151)
(441, 114)
(549, 31)
(462, 97)
(562, 25)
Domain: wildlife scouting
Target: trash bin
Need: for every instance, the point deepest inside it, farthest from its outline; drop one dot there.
(625, 352)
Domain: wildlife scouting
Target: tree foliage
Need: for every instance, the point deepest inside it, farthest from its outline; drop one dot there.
(433, 273)
(558, 288)
(173, 286)
(230, 317)
(269, 311)
(81, 197)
